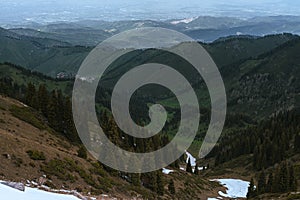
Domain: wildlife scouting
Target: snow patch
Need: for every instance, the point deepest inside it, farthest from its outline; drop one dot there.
(192, 159)
(7, 192)
(235, 188)
(167, 171)
(24, 105)
(186, 21)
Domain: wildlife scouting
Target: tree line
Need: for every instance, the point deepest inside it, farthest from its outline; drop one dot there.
(279, 179)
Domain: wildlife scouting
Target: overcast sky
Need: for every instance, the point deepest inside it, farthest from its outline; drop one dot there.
(49, 10)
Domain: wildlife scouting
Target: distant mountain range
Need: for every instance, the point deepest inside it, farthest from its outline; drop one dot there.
(55, 48)
(204, 28)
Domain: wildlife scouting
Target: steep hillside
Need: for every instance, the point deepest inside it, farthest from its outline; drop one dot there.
(267, 84)
(30, 149)
(36, 54)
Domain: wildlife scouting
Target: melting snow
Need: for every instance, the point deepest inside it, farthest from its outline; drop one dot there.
(7, 192)
(235, 188)
(192, 159)
(167, 171)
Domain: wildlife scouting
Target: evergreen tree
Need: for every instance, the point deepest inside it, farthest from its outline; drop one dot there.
(261, 185)
(82, 153)
(189, 167)
(135, 178)
(292, 185)
(43, 99)
(69, 129)
(160, 185)
(30, 94)
(152, 178)
(171, 187)
(196, 171)
(269, 186)
(52, 108)
(251, 190)
(297, 143)
(283, 177)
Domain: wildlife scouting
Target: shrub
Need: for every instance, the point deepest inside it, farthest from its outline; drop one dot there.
(36, 155)
(27, 115)
(82, 152)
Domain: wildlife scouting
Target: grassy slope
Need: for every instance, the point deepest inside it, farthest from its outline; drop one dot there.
(37, 54)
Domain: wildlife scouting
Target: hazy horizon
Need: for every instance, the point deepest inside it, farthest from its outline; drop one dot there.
(47, 11)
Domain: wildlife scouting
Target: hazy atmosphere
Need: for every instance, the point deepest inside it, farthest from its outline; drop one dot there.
(44, 11)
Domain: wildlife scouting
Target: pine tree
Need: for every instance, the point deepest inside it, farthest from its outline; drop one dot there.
(52, 108)
(43, 99)
(297, 143)
(171, 187)
(292, 186)
(189, 167)
(269, 186)
(196, 171)
(30, 94)
(69, 129)
(152, 178)
(283, 177)
(82, 153)
(261, 185)
(135, 178)
(251, 190)
(160, 185)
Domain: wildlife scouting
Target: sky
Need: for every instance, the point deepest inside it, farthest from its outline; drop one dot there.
(113, 10)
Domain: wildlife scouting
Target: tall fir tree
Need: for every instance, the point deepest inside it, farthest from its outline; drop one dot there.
(189, 166)
(171, 187)
(160, 184)
(261, 185)
(251, 190)
(196, 171)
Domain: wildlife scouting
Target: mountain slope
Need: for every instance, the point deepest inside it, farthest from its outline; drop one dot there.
(51, 56)
(35, 54)
(267, 84)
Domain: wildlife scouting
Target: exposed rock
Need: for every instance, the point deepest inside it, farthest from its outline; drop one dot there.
(17, 186)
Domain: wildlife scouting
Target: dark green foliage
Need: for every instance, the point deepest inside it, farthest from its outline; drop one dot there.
(28, 115)
(196, 171)
(189, 167)
(270, 183)
(297, 143)
(171, 187)
(261, 185)
(269, 141)
(251, 190)
(82, 153)
(160, 184)
(36, 155)
(61, 169)
(280, 180)
(135, 178)
(150, 181)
